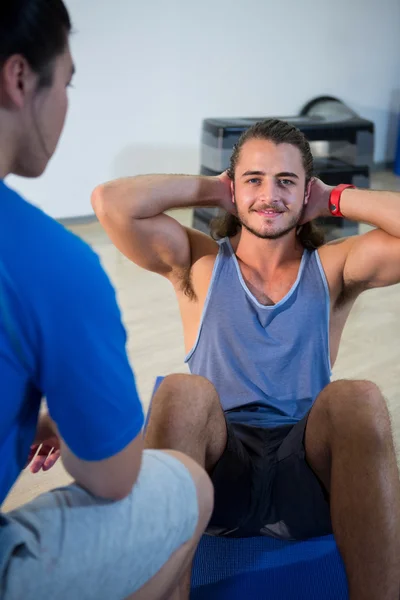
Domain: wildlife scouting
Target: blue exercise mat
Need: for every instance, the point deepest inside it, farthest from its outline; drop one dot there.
(263, 568)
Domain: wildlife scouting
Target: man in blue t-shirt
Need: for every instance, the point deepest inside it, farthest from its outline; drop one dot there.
(133, 517)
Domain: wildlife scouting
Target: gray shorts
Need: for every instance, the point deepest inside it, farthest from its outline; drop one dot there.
(69, 545)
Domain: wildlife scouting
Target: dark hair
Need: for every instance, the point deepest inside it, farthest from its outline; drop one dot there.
(36, 29)
(278, 132)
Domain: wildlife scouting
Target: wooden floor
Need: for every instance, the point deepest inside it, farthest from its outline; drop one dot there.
(370, 348)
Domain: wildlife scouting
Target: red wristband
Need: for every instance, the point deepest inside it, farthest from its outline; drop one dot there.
(334, 198)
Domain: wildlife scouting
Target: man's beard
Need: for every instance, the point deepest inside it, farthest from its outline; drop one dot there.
(274, 235)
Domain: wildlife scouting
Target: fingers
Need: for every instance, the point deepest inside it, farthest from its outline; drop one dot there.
(45, 459)
(37, 464)
(51, 460)
(31, 455)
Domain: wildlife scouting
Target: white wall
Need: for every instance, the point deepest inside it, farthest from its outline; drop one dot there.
(149, 72)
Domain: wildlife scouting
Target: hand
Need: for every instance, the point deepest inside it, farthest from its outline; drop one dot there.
(318, 194)
(43, 456)
(226, 201)
(45, 451)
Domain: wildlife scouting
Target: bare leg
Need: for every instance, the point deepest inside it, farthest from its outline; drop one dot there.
(186, 415)
(165, 585)
(349, 446)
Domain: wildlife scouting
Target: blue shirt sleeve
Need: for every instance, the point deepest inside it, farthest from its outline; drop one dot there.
(84, 369)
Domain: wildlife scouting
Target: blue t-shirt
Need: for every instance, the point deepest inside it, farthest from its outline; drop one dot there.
(61, 337)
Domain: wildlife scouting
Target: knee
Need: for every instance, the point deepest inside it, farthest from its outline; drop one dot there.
(357, 407)
(185, 397)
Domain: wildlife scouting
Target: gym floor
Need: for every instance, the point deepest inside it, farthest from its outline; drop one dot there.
(370, 346)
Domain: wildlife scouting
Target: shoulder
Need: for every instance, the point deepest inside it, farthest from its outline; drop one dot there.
(355, 264)
(336, 251)
(46, 262)
(344, 261)
(36, 234)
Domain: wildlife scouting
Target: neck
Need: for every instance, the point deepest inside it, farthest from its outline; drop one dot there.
(264, 253)
(7, 146)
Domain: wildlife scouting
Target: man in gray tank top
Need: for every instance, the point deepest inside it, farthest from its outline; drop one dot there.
(263, 304)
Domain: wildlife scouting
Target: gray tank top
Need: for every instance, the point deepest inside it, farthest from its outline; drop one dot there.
(267, 363)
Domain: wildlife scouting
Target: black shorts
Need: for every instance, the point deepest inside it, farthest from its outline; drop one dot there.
(264, 485)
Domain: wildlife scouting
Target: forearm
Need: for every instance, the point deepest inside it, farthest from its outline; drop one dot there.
(380, 209)
(146, 196)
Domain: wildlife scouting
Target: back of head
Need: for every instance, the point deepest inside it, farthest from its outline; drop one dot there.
(35, 69)
(278, 132)
(37, 30)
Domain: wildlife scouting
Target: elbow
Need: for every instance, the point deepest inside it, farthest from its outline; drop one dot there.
(123, 482)
(116, 494)
(113, 489)
(99, 201)
(113, 201)
(121, 485)
(122, 479)
(119, 491)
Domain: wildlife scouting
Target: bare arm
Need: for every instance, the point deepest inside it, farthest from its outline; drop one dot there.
(112, 478)
(86, 377)
(378, 208)
(372, 259)
(132, 211)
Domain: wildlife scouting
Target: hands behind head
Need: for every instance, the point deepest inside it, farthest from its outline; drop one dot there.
(317, 201)
(226, 199)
